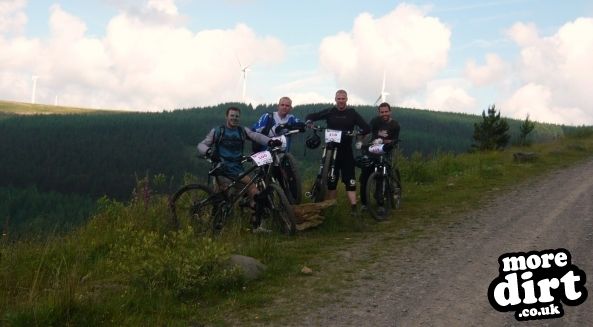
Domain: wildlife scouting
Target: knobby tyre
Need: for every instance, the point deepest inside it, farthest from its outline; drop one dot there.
(397, 189)
(291, 179)
(323, 179)
(278, 213)
(194, 205)
(379, 196)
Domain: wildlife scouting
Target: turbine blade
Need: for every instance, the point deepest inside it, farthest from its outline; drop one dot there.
(378, 100)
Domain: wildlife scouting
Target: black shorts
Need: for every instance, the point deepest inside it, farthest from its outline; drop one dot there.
(345, 167)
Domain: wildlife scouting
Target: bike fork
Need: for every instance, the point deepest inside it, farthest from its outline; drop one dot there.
(332, 172)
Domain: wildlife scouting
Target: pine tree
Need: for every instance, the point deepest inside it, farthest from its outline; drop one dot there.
(492, 132)
(525, 129)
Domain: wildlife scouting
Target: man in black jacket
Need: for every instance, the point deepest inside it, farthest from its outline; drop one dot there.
(344, 119)
(384, 130)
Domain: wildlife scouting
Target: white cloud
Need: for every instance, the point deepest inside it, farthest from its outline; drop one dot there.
(309, 97)
(442, 95)
(139, 63)
(411, 46)
(537, 102)
(524, 34)
(12, 17)
(450, 98)
(166, 7)
(446, 94)
(556, 73)
(493, 71)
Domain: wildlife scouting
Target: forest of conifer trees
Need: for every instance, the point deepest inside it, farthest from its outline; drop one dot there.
(104, 154)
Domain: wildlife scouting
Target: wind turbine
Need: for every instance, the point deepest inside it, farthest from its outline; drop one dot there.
(383, 95)
(34, 78)
(244, 70)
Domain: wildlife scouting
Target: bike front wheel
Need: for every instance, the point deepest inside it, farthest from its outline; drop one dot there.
(194, 205)
(397, 189)
(321, 182)
(379, 196)
(278, 213)
(290, 179)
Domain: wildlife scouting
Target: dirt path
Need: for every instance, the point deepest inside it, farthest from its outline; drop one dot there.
(443, 280)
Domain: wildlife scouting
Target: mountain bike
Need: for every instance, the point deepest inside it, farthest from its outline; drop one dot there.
(207, 210)
(383, 188)
(327, 166)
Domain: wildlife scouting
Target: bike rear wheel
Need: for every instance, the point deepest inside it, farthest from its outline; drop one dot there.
(290, 179)
(278, 214)
(379, 196)
(194, 205)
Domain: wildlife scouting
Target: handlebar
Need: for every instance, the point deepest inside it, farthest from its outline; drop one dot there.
(321, 129)
(394, 142)
(293, 131)
(290, 129)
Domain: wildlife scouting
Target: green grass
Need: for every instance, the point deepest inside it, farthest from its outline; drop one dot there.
(126, 267)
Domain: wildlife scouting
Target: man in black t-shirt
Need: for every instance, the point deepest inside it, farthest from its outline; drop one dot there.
(344, 119)
(384, 130)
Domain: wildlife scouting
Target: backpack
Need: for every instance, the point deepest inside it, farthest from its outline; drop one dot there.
(218, 136)
(256, 147)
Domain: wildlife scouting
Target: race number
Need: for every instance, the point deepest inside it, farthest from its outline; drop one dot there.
(331, 135)
(262, 158)
(376, 149)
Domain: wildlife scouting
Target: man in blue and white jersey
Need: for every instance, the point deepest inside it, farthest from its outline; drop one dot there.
(271, 124)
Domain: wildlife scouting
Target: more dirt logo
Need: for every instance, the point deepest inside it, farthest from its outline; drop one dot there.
(535, 284)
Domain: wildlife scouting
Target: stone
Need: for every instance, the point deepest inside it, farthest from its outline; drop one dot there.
(309, 215)
(250, 267)
(524, 156)
(306, 270)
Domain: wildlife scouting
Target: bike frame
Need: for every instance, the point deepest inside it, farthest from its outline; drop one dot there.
(261, 178)
(330, 146)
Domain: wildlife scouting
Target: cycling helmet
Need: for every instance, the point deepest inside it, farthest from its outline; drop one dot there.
(313, 141)
(363, 161)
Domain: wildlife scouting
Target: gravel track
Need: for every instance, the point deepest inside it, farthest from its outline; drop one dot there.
(443, 279)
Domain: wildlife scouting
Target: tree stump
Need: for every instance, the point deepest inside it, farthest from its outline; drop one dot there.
(524, 156)
(310, 214)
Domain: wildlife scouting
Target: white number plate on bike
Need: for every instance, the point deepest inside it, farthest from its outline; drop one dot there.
(331, 135)
(262, 158)
(376, 149)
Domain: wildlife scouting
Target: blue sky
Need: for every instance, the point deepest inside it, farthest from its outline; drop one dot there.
(525, 56)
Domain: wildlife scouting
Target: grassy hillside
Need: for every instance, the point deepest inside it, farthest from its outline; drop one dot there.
(127, 267)
(21, 108)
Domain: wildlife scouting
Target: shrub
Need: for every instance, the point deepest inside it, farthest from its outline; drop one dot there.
(149, 259)
(416, 169)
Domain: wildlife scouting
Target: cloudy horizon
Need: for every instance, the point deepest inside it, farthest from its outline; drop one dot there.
(164, 54)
